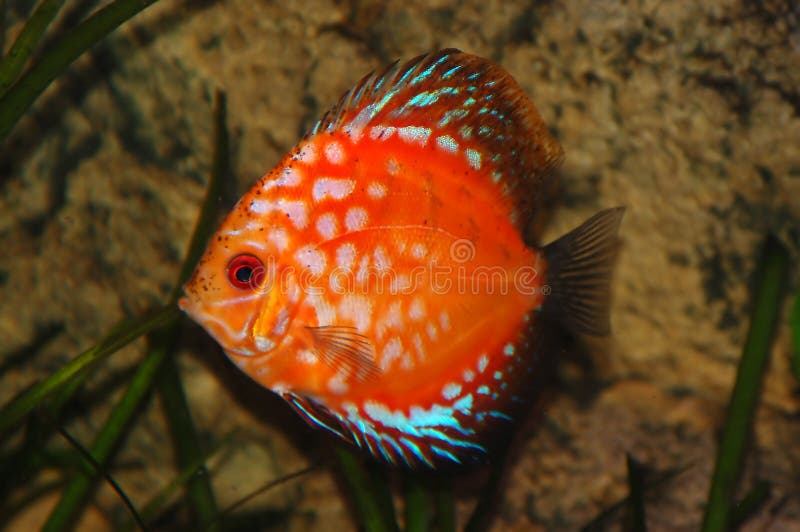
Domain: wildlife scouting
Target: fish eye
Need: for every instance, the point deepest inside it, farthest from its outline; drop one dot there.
(245, 272)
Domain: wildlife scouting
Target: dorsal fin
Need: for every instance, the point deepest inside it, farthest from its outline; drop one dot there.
(473, 101)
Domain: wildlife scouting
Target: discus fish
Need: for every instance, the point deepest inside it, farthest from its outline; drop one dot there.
(377, 278)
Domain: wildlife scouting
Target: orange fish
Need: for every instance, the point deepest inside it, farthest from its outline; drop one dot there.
(377, 278)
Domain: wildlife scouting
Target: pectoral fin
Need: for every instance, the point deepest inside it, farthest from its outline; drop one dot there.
(345, 348)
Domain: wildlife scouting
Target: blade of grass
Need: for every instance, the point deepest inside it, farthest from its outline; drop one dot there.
(185, 442)
(72, 500)
(604, 520)
(16, 410)
(417, 501)
(373, 514)
(74, 496)
(109, 479)
(169, 384)
(2, 28)
(26, 41)
(481, 517)
(770, 279)
(795, 326)
(16, 101)
(636, 515)
(750, 504)
(266, 487)
(445, 506)
(379, 487)
(157, 503)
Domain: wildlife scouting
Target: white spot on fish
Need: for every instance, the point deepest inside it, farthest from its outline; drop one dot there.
(433, 333)
(508, 350)
(281, 322)
(382, 261)
(391, 351)
(306, 356)
(358, 309)
(338, 282)
(326, 314)
(483, 390)
(414, 134)
(264, 344)
(308, 154)
(330, 187)
(418, 251)
(345, 256)
(355, 219)
(483, 362)
(392, 166)
(400, 284)
(498, 375)
(407, 362)
(312, 258)
(280, 387)
(363, 269)
(334, 152)
(278, 238)
(416, 311)
(289, 177)
(444, 321)
(469, 375)
(376, 190)
(473, 158)
(262, 206)
(417, 340)
(381, 132)
(451, 391)
(338, 383)
(447, 143)
(297, 212)
(327, 225)
(393, 319)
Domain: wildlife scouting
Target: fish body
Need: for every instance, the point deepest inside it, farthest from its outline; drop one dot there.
(377, 278)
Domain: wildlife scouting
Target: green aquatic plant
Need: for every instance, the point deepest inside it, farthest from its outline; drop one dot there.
(767, 300)
(18, 94)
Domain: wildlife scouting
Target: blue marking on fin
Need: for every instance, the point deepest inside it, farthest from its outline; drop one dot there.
(451, 71)
(310, 415)
(416, 450)
(428, 71)
(396, 447)
(446, 454)
(499, 415)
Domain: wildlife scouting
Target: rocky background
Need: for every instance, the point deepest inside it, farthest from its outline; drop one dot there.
(688, 113)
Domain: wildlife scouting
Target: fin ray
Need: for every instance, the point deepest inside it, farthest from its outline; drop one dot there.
(578, 270)
(344, 347)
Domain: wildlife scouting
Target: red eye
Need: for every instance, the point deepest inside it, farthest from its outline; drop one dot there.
(245, 272)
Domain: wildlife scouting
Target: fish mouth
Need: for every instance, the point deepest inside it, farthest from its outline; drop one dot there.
(189, 306)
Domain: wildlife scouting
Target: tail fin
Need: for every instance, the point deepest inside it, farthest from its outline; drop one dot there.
(578, 273)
